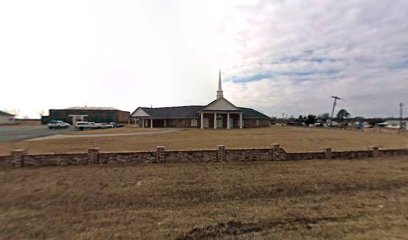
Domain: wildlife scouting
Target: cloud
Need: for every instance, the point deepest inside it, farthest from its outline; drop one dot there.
(276, 55)
(291, 56)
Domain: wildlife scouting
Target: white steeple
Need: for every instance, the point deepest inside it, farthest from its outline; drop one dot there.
(220, 93)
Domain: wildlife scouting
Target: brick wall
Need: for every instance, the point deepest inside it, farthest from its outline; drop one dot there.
(20, 158)
(126, 157)
(5, 160)
(122, 116)
(190, 156)
(305, 155)
(178, 123)
(254, 123)
(92, 115)
(245, 155)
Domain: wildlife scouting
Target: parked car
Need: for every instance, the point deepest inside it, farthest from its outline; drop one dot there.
(87, 125)
(107, 125)
(56, 124)
(116, 125)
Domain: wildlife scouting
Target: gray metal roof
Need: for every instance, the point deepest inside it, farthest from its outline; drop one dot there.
(184, 112)
(174, 112)
(5, 114)
(94, 108)
(251, 113)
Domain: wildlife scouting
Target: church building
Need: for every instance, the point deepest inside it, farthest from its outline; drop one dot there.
(220, 113)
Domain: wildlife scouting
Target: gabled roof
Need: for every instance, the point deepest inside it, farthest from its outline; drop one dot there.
(139, 112)
(6, 114)
(221, 104)
(93, 108)
(251, 113)
(186, 112)
(172, 112)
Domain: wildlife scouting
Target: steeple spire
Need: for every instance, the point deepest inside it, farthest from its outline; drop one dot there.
(220, 93)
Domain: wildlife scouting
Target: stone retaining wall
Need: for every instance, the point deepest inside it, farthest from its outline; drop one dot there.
(190, 156)
(20, 158)
(306, 156)
(125, 157)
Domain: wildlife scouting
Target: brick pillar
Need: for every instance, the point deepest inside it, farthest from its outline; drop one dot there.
(328, 153)
(160, 154)
(221, 153)
(18, 157)
(93, 155)
(376, 151)
(275, 151)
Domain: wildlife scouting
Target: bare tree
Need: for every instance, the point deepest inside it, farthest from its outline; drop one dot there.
(41, 113)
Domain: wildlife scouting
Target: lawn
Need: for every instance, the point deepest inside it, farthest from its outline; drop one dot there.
(290, 138)
(130, 129)
(315, 199)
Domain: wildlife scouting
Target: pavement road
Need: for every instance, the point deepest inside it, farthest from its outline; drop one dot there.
(63, 136)
(18, 133)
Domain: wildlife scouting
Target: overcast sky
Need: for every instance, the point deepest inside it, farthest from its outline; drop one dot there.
(276, 56)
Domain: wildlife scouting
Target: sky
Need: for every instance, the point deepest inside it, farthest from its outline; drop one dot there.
(279, 56)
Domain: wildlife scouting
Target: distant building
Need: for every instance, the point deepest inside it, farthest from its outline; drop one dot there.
(220, 113)
(394, 123)
(91, 114)
(6, 118)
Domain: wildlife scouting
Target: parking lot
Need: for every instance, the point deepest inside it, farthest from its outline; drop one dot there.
(21, 132)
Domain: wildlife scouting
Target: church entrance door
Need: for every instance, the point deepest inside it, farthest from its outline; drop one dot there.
(206, 123)
(219, 123)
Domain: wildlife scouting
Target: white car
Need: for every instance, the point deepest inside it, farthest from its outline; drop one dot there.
(106, 125)
(87, 125)
(55, 124)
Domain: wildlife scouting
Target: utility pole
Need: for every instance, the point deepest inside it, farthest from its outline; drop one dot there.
(334, 105)
(401, 113)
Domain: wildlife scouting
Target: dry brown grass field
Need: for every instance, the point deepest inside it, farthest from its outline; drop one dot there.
(290, 138)
(315, 199)
(115, 130)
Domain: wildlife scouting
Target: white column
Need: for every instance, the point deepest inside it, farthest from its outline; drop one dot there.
(202, 120)
(215, 120)
(240, 120)
(151, 123)
(228, 121)
(165, 123)
(143, 123)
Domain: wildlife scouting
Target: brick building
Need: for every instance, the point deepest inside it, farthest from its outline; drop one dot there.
(91, 114)
(6, 118)
(220, 113)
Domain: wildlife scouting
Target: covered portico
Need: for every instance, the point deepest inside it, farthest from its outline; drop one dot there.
(221, 119)
(142, 119)
(221, 114)
(144, 122)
